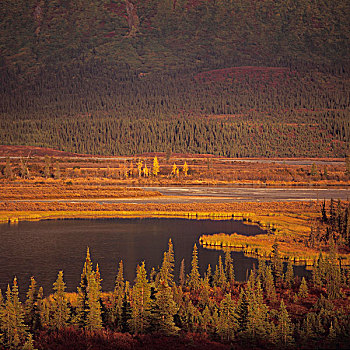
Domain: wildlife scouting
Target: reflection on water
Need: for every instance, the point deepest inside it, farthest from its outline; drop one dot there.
(41, 249)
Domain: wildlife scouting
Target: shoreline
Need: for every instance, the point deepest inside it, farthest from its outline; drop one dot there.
(287, 223)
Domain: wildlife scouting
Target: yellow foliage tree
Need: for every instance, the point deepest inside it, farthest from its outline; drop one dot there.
(185, 169)
(139, 167)
(155, 169)
(145, 171)
(174, 169)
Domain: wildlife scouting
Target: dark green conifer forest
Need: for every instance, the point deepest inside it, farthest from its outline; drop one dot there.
(232, 78)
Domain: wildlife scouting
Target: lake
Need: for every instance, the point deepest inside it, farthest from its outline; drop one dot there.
(41, 249)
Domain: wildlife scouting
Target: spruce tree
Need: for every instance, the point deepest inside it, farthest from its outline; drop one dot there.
(227, 322)
(229, 270)
(204, 296)
(13, 317)
(82, 298)
(269, 285)
(277, 265)
(32, 316)
(303, 289)
(333, 274)
(163, 311)
(324, 212)
(94, 315)
(206, 319)
(140, 301)
(284, 326)
(289, 275)
(189, 314)
(29, 343)
(258, 323)
(166, 271)
(118, 297)
(182, 278)
(242, 312)
(60, 309)
(194, 277)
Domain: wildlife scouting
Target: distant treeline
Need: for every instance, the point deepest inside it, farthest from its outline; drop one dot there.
(121, 77)
(92, 109)
(117, 136)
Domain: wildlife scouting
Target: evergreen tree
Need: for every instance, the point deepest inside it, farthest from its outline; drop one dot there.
(182, 273)
(166, 271)
(194, 277)
(229, 270)
(219, 279)
(332, 273)
(204, 296)
(13, 317)
(126, 314)
(269, 285)
(277, 265)
(43, 309)
(32, 317)
(94, 315)
(118, 298)
(319, 271)
(206, 319)
(29, 344)
(324, 212)
(189, 314)
(164, 310)
(289, 275)
(60, 309)
(227, 322)
(140, 302)
(284, 326)
(258, 324)
(242, 311)
(82, 302)
(303, 289)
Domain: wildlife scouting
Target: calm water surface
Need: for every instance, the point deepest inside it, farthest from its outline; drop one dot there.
(41, 249)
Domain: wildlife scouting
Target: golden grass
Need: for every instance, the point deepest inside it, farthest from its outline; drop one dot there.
(288, 222)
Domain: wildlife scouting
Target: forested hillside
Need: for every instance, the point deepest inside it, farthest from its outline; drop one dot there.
(234, 78)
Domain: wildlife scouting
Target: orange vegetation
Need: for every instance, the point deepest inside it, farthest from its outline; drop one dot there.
(203, 169)
(288, 223)
(67, 190)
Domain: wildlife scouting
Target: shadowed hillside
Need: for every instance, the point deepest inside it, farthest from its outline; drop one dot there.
(234, 78)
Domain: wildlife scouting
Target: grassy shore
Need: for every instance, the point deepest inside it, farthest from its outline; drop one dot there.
(288, 223)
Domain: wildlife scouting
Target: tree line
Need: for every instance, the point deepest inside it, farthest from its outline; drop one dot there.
(124, 136)
(259, 312)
